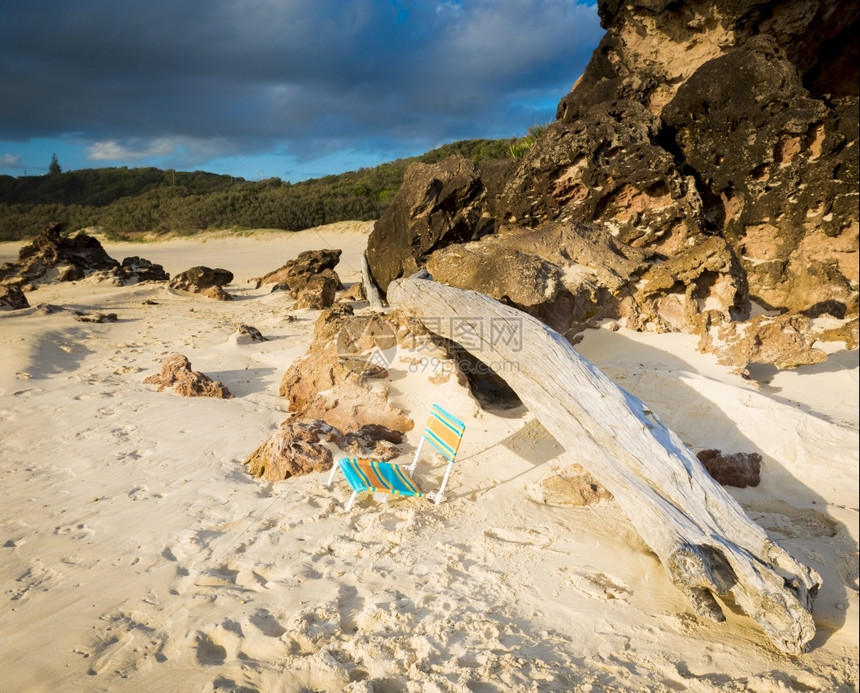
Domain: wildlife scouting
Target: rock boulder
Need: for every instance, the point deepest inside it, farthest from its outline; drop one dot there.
(176, 373)
(203, 280)
(437, 205)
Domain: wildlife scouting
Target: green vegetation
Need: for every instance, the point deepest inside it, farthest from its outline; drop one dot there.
(520, 146)
(130, 202)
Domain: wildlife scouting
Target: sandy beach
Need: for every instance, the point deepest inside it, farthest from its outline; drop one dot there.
(139, 555)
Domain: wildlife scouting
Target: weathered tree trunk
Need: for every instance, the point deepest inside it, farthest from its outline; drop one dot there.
(370, 289)
(702, 536)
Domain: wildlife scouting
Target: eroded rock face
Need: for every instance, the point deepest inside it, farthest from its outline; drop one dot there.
(756, 102)
(325, 384)
(607, 165)
(438, 204)
(176, 373)
(778, 169)
(716, 140)
(568, 275)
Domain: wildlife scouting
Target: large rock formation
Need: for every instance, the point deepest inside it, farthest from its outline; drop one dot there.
(437, 205)
(53, 257)
(756, 102)
(713, 147)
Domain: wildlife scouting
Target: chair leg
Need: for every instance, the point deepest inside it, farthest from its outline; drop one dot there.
(334, 469)
(411, 467)
(351, 500)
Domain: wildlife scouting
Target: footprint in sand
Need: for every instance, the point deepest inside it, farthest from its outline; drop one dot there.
(126, 644)
(75, 531)
(349, 604)
(522, 536)
(39, 577)
(267, 624)
(600, 586)
(28, 392)
(211, 646)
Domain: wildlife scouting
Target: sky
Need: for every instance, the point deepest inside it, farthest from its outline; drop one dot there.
(292, 89)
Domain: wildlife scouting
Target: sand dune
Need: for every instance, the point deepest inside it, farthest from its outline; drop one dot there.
(137, 554)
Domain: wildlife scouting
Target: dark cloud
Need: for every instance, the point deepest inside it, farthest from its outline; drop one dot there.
(305, 76)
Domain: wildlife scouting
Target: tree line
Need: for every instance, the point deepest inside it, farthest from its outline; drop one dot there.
(128, 202)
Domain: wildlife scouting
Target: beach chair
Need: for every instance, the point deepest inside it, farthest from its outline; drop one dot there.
(443, 431)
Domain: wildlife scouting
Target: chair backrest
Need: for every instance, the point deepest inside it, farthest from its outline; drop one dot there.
(444, 432)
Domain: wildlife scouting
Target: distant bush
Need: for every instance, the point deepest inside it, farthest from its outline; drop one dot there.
(127, 202)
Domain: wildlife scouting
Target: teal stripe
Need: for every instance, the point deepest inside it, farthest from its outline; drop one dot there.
(449, 418)
(439, 444)
(354, 476)
(390, 474)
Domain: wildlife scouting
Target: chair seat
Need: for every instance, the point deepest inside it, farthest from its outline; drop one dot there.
(378, 477)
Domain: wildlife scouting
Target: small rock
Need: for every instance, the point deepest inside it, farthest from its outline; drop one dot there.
(246, 333)
(739, 469)
(176, 372)
(12, 298)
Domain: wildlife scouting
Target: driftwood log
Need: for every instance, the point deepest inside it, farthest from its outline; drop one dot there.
(701, 535)
(371, 291)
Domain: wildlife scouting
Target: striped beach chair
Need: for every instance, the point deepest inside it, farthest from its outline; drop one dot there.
(443, 431)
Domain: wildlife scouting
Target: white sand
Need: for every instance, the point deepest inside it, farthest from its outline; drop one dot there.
(137, 554)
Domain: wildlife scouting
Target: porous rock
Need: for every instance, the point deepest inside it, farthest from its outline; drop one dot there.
(176, 373)
(292, 450)
(437, 204)
(739, 469)
(786, 341)
(322, 385)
